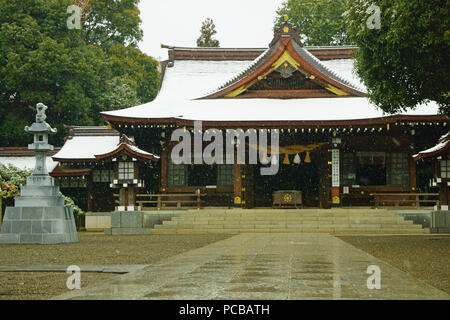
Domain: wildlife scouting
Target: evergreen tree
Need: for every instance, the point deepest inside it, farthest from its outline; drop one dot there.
(320, 22)
(403, 55)
(207, 32)
(73, 71)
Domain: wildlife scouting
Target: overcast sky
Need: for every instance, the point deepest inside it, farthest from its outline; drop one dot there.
(239, 23)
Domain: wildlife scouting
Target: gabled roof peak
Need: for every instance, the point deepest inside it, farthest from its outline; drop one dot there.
(307, 76)
(286, 30)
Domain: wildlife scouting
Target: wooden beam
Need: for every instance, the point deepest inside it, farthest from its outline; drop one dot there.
(286, 94)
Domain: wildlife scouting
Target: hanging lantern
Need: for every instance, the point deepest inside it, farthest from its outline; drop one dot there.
(297, 159)
(286, 159)
(274, 159)
(264, 160)
(307, 158)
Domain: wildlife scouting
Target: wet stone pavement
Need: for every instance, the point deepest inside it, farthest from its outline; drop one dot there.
(264, 266)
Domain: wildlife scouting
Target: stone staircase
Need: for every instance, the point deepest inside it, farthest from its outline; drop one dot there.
(339, 221)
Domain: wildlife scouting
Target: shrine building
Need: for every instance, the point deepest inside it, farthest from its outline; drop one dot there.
(335, 147)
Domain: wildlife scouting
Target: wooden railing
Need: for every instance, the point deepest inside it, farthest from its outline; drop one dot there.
(382, 199)
(178, 200)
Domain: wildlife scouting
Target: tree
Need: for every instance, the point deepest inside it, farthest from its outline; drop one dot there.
(119, 95)
(138, 69)
(320, 22)
(106, 22)
(41, 60)
(404, 48)
(207, 31)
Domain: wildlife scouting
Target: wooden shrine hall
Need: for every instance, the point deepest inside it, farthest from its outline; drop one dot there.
(335, 147)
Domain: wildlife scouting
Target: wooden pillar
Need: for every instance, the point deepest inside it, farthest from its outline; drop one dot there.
(237, 185)
(131, 196)
(412, 172)
(89, 190)
(164, 165)
(123, 201)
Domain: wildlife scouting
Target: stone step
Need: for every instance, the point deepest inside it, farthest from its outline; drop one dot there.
(286, 211)
(289, 226)
(39, 201)
(274, 230)
(297, 221)
(39, 191)
(280, 216)
(293, 218)
(352, 221)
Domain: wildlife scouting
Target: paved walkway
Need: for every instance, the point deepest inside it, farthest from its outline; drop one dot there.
(119, 268)
(264, 266)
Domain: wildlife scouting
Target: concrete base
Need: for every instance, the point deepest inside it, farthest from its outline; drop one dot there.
(38, 225)
(440, 222)
(126, 222)
(422, 217)
(137, 222)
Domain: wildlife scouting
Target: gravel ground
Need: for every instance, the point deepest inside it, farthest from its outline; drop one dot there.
(92, 248)
(424, 257)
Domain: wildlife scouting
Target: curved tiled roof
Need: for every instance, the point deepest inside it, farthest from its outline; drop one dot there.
(274, 49)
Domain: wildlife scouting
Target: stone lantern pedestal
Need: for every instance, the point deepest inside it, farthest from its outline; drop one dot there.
(39, 215)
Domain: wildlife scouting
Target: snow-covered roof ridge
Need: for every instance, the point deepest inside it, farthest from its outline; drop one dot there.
(326, 70)
(238, 75)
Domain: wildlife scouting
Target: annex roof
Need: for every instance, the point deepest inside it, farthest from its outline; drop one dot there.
(442, 146)
(93, 147)
(128, 146)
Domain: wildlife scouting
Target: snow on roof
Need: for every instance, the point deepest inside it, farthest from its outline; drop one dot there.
(187, 80)
(27, 162)
(345, 69)
(86, 147)
(136, 149)
(190, 79)
(329, 70)
(443, 144)
(434, 150)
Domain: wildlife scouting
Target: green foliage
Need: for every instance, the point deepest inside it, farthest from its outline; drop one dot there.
(406, 62)
(207, 31)
(112, 22)
(10, 180)
(71, 71)
(320, 22)
(68, 202)
(120, 94)
(137, 69)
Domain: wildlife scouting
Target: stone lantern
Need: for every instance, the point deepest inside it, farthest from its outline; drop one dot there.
(39, 215)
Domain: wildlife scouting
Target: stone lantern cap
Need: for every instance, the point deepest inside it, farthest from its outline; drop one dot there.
(40, 126)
